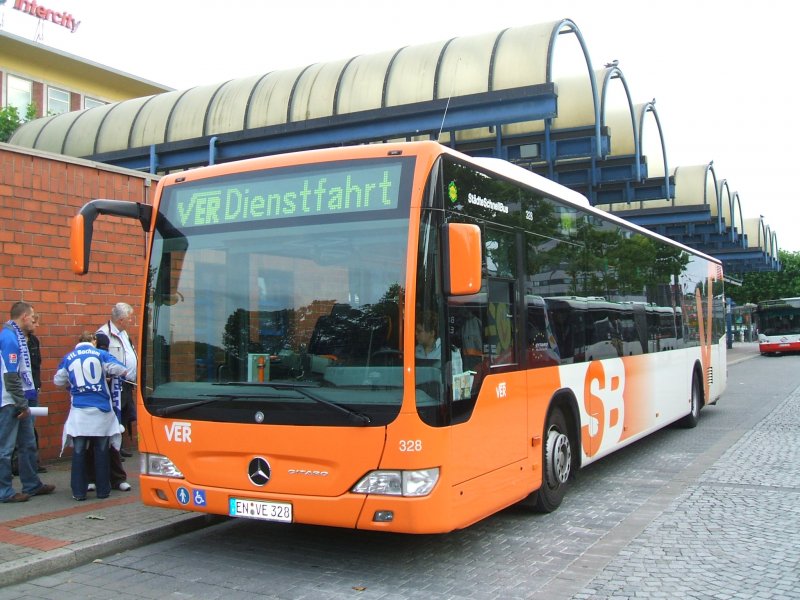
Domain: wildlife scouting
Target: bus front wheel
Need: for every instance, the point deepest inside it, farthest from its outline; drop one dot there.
(556, 463)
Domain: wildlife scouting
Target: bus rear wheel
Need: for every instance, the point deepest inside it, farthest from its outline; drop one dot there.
(691, 420)
(556, 463)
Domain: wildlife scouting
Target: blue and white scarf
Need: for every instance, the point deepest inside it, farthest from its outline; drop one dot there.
(116, 396)
(24, 368)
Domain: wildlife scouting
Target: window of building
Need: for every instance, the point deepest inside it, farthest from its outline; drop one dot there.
(57, 101)
(91, 102)
(19, 94)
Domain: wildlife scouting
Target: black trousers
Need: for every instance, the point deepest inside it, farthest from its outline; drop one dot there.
(118, 474)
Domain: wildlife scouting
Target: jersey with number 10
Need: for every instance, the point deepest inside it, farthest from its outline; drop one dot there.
(86, 368)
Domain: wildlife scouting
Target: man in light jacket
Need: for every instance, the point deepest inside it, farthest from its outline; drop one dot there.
(121, 348)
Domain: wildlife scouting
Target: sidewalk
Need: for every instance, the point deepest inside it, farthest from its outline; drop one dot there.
(742, 351)
(52, 533)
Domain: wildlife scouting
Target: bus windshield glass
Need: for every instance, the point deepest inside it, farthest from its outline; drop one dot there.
(275, 296)
(779, 317)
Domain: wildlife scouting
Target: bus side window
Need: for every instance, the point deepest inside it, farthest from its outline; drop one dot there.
(466, 333)
(500, 334)
(471, 329)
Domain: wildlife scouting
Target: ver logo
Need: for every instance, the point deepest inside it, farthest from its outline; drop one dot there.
(179, 431)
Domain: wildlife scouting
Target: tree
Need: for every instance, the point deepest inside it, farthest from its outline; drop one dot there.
(769, 285)
(10, 120)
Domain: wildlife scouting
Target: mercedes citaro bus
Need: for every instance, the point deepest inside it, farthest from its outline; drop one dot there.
(281, 373)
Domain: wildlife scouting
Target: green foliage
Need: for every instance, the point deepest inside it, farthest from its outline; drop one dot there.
(10, 120)
(771, 284)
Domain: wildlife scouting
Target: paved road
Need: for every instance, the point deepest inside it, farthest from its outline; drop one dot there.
(712, 512)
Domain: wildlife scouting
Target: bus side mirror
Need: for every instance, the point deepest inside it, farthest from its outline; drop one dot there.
(80, 239)
(462, 260)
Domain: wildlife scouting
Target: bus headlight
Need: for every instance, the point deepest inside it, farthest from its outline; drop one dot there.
(398, 483)
(158, 465)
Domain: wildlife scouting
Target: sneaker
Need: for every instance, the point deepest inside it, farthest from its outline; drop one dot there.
(41, 469)
(79, 498)
(43, 490)
(18, 497)
(102, 497)
(125, 453)
(124, 487)
(91, 487)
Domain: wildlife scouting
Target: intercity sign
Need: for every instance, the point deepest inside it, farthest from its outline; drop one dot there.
(34, 9)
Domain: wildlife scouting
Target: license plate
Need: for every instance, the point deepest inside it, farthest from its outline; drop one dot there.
(259, 509)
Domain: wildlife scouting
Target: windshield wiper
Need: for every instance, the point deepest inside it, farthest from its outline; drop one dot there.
(303, 391)
(168, 410)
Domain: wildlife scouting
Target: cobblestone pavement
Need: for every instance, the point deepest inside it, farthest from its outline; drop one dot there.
(708, 513)
(735, 533)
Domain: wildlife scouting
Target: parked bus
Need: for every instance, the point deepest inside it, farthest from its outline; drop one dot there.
(280, 378)
(778, 325)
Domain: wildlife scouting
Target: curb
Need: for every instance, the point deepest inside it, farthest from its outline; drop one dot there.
(30, 567)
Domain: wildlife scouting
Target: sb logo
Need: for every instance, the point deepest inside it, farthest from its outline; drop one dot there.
(604, 404)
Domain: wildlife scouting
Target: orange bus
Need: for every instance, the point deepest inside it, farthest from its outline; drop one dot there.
(281, 377)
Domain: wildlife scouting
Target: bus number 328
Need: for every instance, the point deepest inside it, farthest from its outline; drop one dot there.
(410, 445)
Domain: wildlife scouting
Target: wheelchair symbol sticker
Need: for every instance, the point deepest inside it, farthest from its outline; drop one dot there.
(199, 497)
(183, 495)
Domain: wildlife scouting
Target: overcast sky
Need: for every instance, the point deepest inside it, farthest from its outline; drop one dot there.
(721, 71)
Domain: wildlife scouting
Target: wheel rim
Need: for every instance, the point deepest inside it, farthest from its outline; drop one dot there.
(559, 455)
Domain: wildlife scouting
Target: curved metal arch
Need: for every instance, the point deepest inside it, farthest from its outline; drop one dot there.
(768, 239)
(210, 103)
(437, 74)
(776, 250)
(50, 136)
(723, 190)
(569, 26)
(613, 73)
(44, 126)
(136, 118)
(762, 234)
(71, 125)
(335, 103)
(290, 103)
(388, 75)
(710, 169)
(100, 126)
(757, 226)
(253, 89)
(79, 141)
(644, 110)
(168, 120)
(737, 233)
(495, 46)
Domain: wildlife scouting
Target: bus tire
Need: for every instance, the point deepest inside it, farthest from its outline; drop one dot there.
(690, 421)
(556, 463)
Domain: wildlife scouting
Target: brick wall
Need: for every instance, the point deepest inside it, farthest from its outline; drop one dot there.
(39, 194)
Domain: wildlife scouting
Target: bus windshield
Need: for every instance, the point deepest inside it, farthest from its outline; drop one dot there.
(279, 319)
(779, 317)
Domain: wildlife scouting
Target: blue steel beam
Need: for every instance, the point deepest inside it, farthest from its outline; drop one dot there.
(530, 103)
(602, 181)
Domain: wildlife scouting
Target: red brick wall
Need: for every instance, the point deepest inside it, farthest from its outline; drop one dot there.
(39, 194)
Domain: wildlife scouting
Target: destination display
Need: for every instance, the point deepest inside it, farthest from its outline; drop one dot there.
(354, 187)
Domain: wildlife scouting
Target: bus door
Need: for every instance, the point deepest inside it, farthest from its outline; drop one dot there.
(494, 433)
